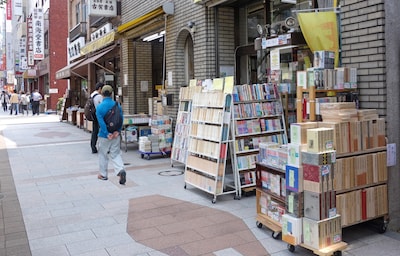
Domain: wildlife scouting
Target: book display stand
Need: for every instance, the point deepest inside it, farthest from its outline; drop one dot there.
(258, 117)
(270, 202)
(341, 163)
(181, 135)
(208, 144)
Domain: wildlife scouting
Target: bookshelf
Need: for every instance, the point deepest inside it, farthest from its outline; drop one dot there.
(208, 144)
(181, 135)
(270, 197)
(258, 117)
(359, 172)
(361, 187)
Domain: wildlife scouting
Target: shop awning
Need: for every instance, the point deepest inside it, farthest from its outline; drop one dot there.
(99, 43)
(65, 72)
(166, 8)
(29, 74)
(82, 68)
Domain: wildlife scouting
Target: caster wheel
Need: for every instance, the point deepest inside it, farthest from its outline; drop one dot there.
(276, 235)
(214, 201)
(184, 186)
(259, 224)
(382, 229)
(148, 157)
(337, 253)
(141, 155)
(291, 247)
(236, 197)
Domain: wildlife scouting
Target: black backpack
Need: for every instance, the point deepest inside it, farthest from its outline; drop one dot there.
(113, 119)
(90, 109)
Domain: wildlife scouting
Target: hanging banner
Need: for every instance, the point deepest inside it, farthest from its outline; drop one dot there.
(38, 33)
(321, 31)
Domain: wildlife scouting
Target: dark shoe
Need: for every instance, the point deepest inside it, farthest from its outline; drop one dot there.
(94, 151)
(122, 177)
(101, 177)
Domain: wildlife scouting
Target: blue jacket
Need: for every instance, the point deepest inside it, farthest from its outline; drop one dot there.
(101, 111)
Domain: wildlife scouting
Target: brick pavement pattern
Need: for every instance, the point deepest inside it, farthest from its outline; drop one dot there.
(181, 228)
(13, 236)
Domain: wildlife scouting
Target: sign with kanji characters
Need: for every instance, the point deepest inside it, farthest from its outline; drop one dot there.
(104, 8)
(38, 34)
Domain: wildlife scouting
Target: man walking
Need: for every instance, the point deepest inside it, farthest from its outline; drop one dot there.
(5, 100)
(109, 143)
(14, 100)
(97, 99)
(36, 98)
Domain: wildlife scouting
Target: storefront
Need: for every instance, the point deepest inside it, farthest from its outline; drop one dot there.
(143, 57)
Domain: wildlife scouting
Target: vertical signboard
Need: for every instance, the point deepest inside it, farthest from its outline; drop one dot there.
(29, 42)
(38, 34)
(9, 37)
(18, 7)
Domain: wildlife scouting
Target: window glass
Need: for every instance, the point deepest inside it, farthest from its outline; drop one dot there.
(253, 19)
(78, 13)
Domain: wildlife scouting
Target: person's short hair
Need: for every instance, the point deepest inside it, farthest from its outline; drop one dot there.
(107, 90)
(99, 85)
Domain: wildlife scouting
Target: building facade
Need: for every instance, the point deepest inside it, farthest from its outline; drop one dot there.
(208, 39)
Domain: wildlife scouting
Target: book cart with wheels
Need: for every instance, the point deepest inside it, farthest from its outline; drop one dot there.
(208, 144)
(270, 198)
(359, 169)
(181, 135)
(258, 117)
(160, 140)
(133, 127)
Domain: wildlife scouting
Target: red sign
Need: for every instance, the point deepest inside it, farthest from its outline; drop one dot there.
(9, 10)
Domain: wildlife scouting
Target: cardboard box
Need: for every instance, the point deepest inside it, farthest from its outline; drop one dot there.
(319, 140)
(323, 233)
(292, 229)
(294, 178)
(294, 154)
(321, 158)
(295, 203)
(317, 178)
(298, 132)
(319, 206)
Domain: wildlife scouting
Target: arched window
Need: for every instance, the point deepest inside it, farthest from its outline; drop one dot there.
(189, 59)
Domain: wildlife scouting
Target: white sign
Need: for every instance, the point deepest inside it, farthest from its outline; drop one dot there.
(74, 48)
(22, 46)
(104, 8)
(102, 31)
(264, 43)
(31, 61)
(275, 60)
(18, 7)
(53, 90)
(38, 34)
(391, 154)
(169, 78)
(24, 63)
(144, 86)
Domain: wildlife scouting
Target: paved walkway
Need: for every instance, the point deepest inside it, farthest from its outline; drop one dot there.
(53, 204)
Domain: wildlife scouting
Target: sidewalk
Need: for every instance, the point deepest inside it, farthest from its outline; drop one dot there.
(62, 209)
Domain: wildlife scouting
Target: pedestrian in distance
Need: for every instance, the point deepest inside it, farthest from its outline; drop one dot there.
(36, 98)
(24, 101)
(97, 99)
(5, 100)
(14, 100)
(109, 143)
